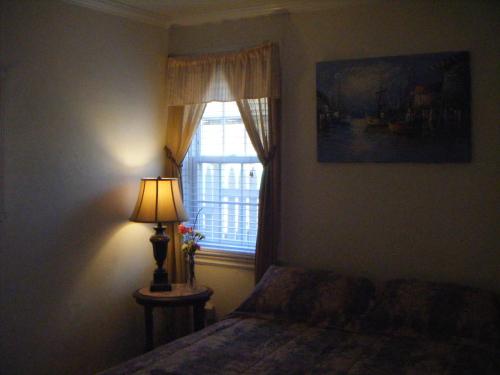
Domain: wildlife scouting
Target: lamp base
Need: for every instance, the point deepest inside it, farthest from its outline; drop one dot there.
(155, 287)
(160, 282)
(160, 243)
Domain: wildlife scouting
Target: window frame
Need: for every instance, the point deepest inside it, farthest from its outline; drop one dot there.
(225, 258)
(225, 254)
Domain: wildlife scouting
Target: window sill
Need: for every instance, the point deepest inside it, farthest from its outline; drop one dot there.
(221, 258)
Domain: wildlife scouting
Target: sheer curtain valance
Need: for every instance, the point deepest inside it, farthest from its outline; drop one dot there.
(248, 74)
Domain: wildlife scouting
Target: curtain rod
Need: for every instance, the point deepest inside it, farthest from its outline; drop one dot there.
(227, 49)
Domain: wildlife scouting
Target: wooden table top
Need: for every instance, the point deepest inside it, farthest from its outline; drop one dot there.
(179, 292)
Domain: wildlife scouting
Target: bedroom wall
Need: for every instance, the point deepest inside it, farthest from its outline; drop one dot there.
(81, 99)
(437, 221)
(431, 221)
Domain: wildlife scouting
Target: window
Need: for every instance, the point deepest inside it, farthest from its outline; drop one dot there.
(221, 180)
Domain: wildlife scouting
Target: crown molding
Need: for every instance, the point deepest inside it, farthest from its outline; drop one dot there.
(279, 7)
(122, 10)
(190, 19)
(187, 18)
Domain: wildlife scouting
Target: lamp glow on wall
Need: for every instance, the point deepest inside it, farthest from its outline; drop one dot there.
(160, 202)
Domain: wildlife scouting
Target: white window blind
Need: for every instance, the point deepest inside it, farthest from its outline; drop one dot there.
(221, 179)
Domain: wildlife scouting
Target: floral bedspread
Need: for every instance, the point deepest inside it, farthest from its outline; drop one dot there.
(316, 322)
(249, 345)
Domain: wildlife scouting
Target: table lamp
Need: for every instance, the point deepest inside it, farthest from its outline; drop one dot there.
(159, 202)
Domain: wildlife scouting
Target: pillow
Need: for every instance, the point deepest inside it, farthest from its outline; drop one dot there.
(410, 307)
(310, 296)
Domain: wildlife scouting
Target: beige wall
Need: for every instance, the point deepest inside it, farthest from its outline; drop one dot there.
(81, 111)
(230, 284)
(432, 221)
(436, 222)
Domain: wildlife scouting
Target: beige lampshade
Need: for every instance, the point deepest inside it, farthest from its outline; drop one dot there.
(159, 201)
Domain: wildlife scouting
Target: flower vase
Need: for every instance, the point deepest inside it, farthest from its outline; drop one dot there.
(191, 277)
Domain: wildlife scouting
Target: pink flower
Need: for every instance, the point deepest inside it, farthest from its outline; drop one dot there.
(190, 237)
(182, 229)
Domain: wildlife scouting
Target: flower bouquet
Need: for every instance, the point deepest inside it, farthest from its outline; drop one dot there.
(190, 239)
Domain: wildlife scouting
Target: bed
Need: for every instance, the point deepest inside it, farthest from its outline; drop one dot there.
(300, 321)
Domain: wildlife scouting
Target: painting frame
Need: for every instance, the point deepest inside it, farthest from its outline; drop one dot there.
(395, 109)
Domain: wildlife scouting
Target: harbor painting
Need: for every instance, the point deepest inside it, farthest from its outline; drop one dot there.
(412, 108)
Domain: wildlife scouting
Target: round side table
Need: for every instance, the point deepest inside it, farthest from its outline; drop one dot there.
(180, 295)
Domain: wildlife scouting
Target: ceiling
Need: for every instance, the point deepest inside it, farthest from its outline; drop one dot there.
(168, 13)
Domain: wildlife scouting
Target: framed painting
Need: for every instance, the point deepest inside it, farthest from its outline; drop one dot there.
(413, 108)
